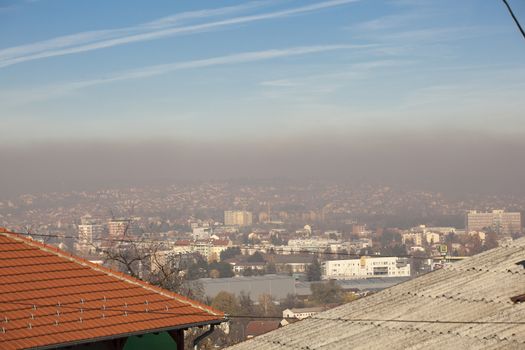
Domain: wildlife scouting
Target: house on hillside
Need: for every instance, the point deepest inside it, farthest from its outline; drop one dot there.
(51, 299)
(255, 328)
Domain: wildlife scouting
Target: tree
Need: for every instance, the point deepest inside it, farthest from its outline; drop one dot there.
(255, 257)
(145, 260)
(394, 250)
(267, 306)
(230, 252)
(246, 303)
(327, 293)
(313, 271)
(491, 240)
(214, 273)
(225, 269)
(474, 245)
(226, 302)
(276, 240)
(154, 263)
(291, 301)
(270, 268)
(248, 272)
(198, 269)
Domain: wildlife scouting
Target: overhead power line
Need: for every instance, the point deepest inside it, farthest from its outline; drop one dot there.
(140, 241)
(115, 312)
(520, 28)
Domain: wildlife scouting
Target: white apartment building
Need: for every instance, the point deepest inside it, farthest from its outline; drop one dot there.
(313, 244)
(87, 234)
(209, 249)
(366, 267)
(202, 233)
(237, 218)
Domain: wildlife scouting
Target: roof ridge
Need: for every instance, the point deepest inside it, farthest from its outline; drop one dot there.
(119, 275)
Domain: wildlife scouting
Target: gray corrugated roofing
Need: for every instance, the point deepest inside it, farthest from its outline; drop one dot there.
(474, 293)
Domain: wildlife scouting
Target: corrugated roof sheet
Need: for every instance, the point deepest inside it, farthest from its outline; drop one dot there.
(463, 306)
(51, 298)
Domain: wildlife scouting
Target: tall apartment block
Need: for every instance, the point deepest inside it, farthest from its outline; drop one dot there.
(88, 232)
(497, 220)
(119, 227)
(237, 218)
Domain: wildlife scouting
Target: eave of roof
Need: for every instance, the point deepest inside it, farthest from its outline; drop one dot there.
(54, 282)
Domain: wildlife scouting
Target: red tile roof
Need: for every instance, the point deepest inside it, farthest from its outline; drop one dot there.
(50, 298)
(255, 328)
(220, 242)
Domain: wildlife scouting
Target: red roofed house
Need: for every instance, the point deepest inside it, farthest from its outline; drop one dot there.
(50, 299)
(255, 328)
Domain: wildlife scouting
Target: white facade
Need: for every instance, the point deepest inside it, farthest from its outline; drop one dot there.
(301, 313)
(86, 235)
(314, 244)
(202, 232)
(365, 267)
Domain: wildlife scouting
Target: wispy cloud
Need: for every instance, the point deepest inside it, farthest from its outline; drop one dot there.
(161, 28)
(336, 76)
(48, 92)
(279, 83)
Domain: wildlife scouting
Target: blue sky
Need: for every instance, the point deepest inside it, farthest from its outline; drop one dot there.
(237, 70)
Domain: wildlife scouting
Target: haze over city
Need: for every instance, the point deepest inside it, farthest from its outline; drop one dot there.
(399, 92)
(262, 174)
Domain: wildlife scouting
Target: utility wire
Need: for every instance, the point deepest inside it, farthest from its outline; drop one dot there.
(514, 18)
(126, 311)
(135, 241)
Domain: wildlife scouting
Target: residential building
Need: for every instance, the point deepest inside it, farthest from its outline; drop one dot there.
(255, 328)
(498, 220)
(210, 249)
(239, 267)
(432, 237)
(413, 238)
(118, 228)
(86, 235)
(302, 313)
(202, 232)
(291, 263)
(237, 218)
(312, 244)
(365, 267)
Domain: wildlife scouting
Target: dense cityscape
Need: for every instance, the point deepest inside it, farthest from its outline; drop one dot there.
(270, 249)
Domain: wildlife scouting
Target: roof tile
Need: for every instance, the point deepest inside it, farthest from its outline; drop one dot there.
(51, 298)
